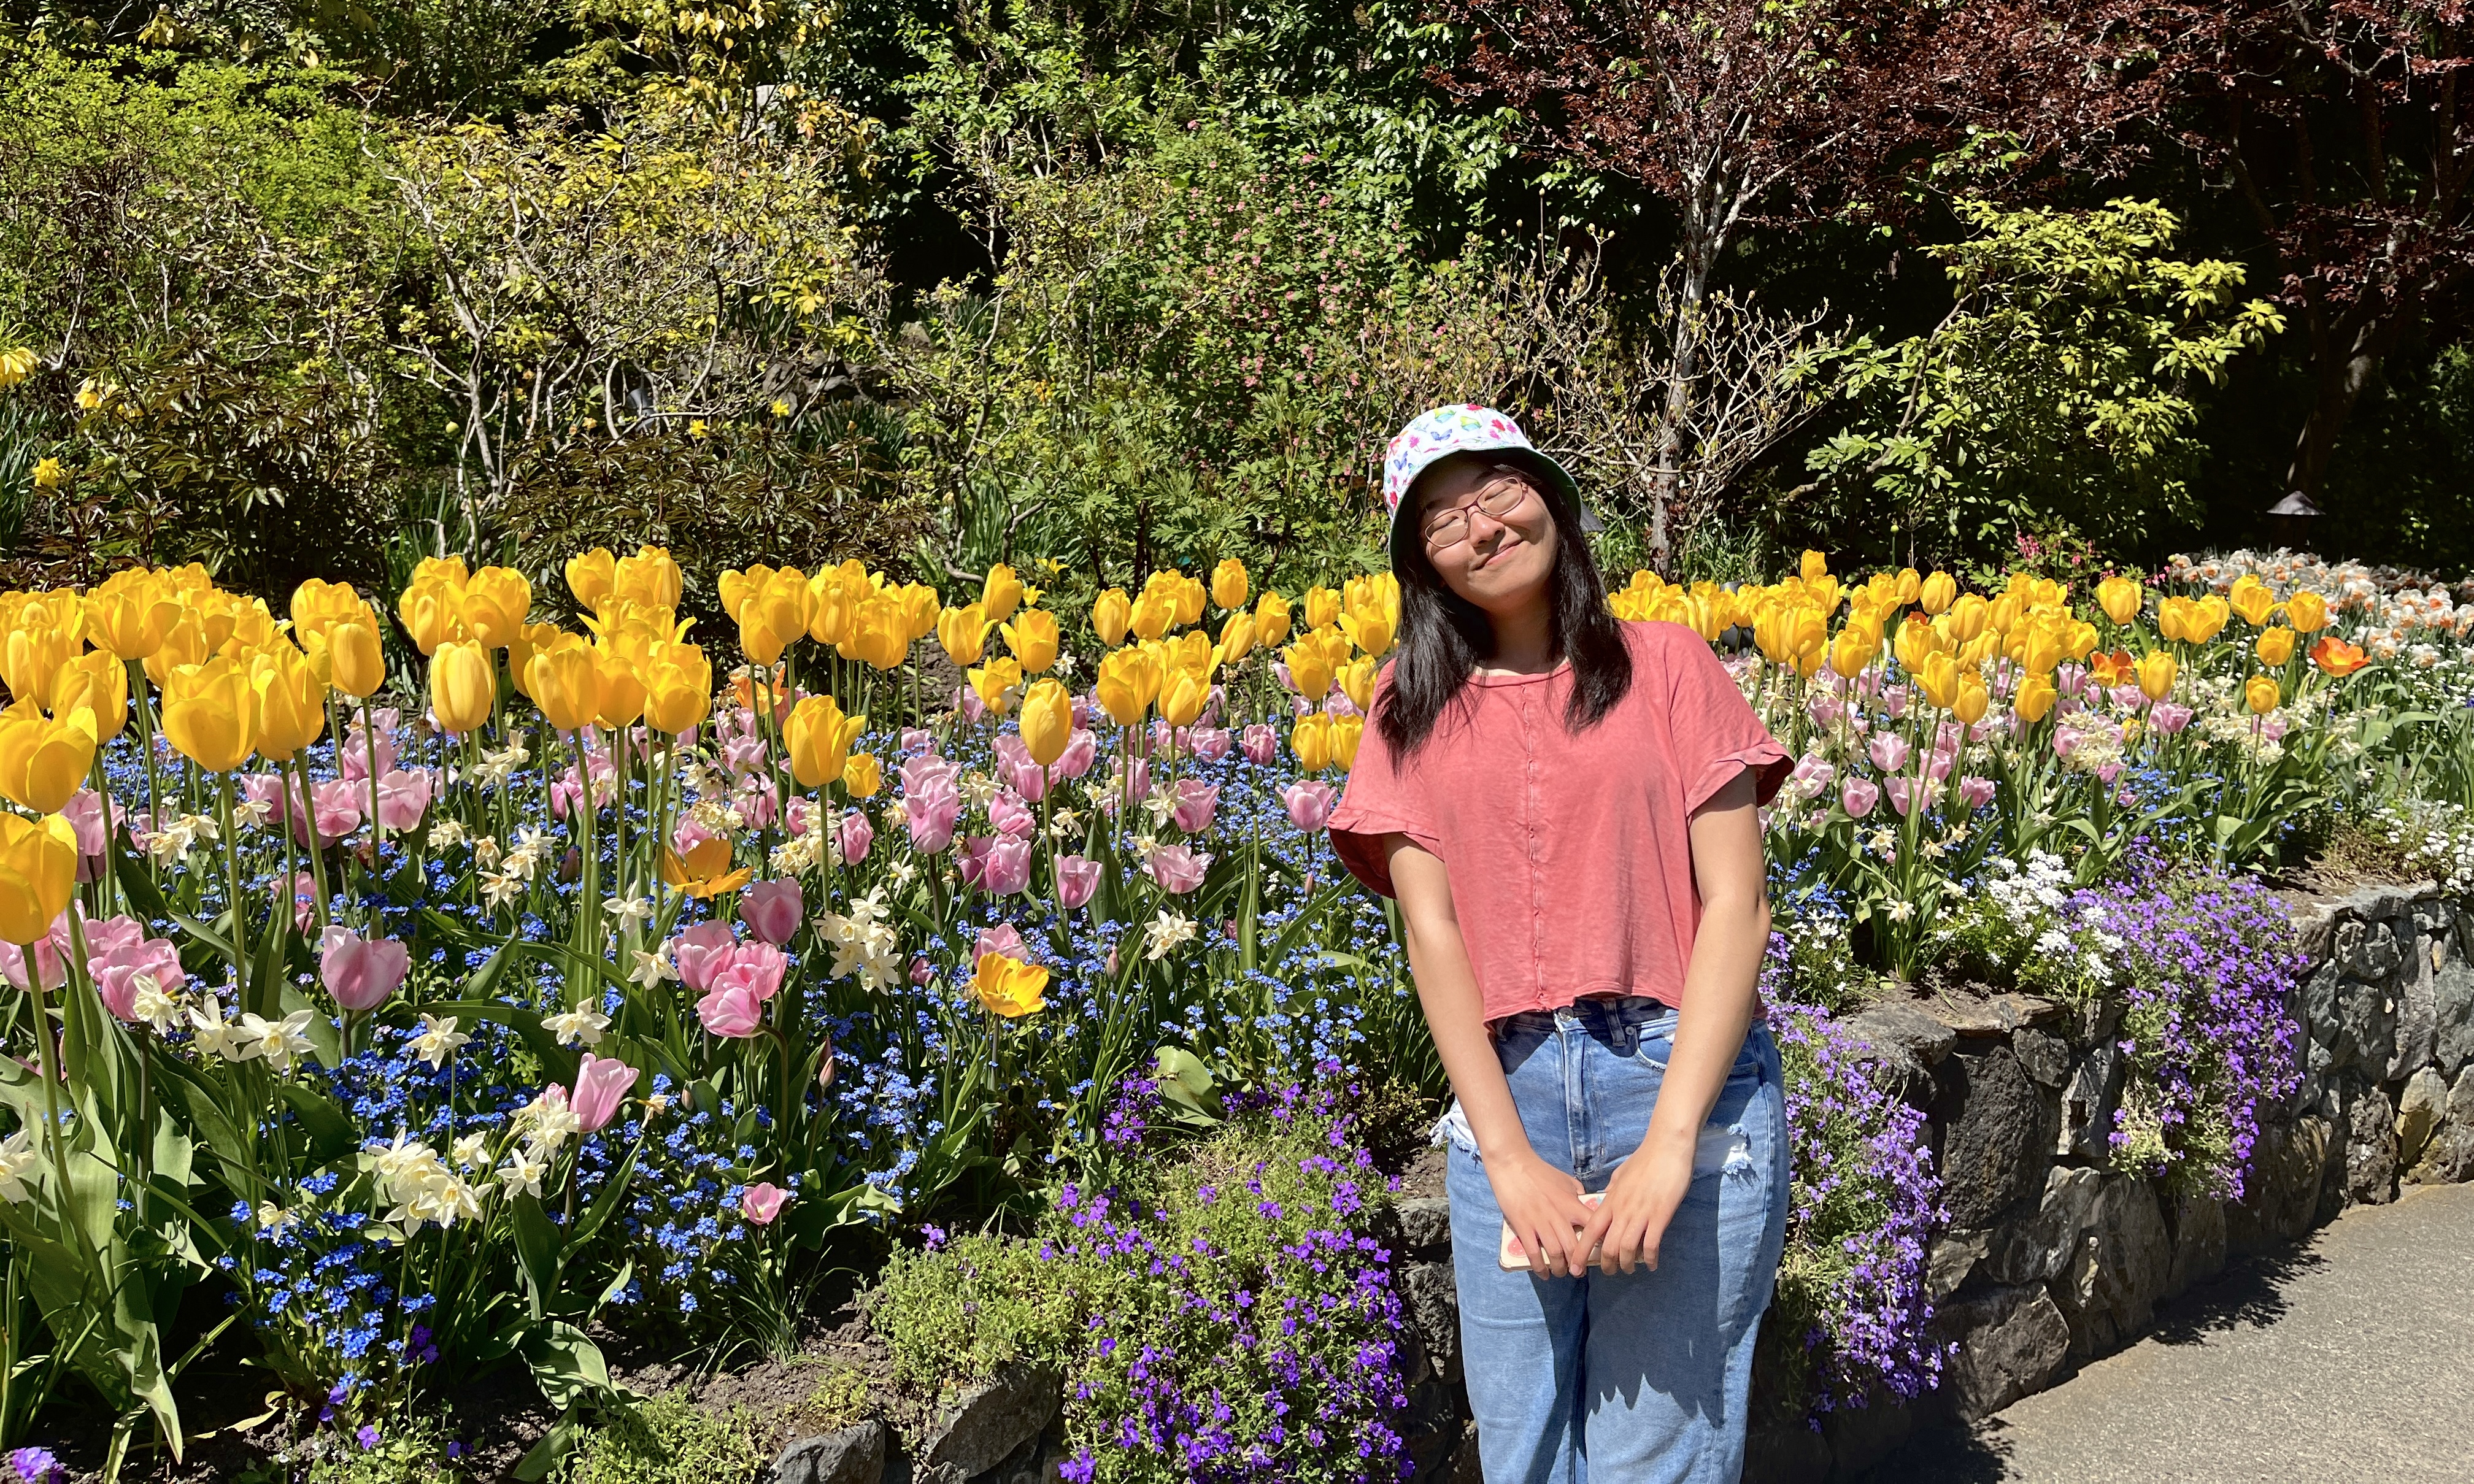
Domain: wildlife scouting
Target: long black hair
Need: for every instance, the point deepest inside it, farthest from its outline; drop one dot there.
(1443, 636)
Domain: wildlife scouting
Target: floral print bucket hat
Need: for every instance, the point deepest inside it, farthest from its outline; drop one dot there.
(1466, 428)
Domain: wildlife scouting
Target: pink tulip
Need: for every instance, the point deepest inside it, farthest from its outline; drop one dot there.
(1338, 704)
(360, 974)
(2169, 717)
(1178, 868)
(799, 813)
(601, 1084)
(51, 956)
(1197, 802)
(1888, 752)
(760, 966)
(1825, 710)
(771, 910)
(1309, 804)
(744, 756)
(757, 802)
(854, 838)
(1260, 743)
(2107, 772)
(336, 806)
(1894, 701)
(117, 951)
(701, 952)
(352, 762)
(1007, 867)
(917, 740)
(404, 798)
(1163, 737)
(967, 702)
(85, 813)
(1938, 765)
(1026, 778)
(1210, 744)
(1077, 879)
(566, 793)
(1813, 769)
(1859, 796)
(304, 899)
(931, 811)
(762, 1200)
(1005, 938)
(921, 970)
(1901, 790)
(1975, 792)
(272, 792)
(1135, 781)
(1011, 815)
(2070, 679)
(1081, 749)
(731, 1009)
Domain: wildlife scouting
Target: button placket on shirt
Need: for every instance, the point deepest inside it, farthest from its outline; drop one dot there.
(1533, 803)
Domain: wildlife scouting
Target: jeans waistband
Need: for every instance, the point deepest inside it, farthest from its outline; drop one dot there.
(1605, 1018)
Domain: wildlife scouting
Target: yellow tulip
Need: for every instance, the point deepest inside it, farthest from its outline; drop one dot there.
(2307, 612)
(1370, 631)
(2121, 598)
(1127, 684)
(1310, 669)
(1969, 616)
(564, 683)
(678, 689)
(1323, 608)
(1814, 567)
(1345, 734)
(1154, 613)
(2262, 693)
(2274, 645)
(44, 763)
(818, 738)
(2156, 669)
(210, 714)
(1189, 596)
(2035, 697)
(1182, 697)
(1047, 721)
(1032, 637)
(1271, 621)
(1854, 649)
(649, 578)
(2039, 647)
(433, 615)
(918, 606)
(2003, 616)
(834, 619)
(964, 633)
(1236, 638)
(185, 643)
(355, 664)
(1356, 680)
(704, 873)
(130, 614)
(291, 702)
(1111, 612)
(996, 684)
(1973, 701)
(1936, 593)
(1009, 988)
(33, 656)
(96, 683)
(463, 686)
(1228, 584)
(38, 863)
(590, 576)
(1311, 740)
(2251, 598)
(1000, 592)
(623, 691)
(862, 775)
(882, 634)
(1938, 680)
(2206, 617)
(496, 603)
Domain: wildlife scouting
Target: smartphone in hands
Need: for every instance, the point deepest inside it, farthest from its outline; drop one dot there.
(1513, 1259)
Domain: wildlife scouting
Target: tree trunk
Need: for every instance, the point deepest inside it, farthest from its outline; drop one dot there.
(1667, 475)
(2345, 356)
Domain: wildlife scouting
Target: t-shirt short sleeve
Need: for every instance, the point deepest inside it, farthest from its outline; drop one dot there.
(1714, 731)
(1380, 800)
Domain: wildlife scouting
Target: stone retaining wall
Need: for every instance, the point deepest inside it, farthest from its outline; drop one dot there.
(2050, 1260)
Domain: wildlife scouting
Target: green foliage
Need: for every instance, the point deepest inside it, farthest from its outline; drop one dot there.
(2060, 390)
(416, 1456)
(666, 1440)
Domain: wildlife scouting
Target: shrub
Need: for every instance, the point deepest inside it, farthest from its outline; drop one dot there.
(666, 1441)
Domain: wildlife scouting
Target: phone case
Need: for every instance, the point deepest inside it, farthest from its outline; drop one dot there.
(1512, 1259)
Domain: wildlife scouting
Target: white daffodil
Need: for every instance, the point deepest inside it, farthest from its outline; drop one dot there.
(399, 1160)
(486, 853)
(472, 1150)
(438, 1039)
(1165, 933)
(653, 966)
(272, 1218)
(279, 1043)
(253, 813)
(581, 1026)
(629, 910)
(18, 1158)
(523, 1171)
(217, 1036)
(497, 891)
(1065, 823)
(444, 833)
(150, 1004)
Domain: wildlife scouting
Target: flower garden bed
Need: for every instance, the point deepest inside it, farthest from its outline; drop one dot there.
(534, 1061)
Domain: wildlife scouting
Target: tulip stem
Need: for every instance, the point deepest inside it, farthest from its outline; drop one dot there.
(107, 890)
(231, 886)
(47, 1067)
(317, 857)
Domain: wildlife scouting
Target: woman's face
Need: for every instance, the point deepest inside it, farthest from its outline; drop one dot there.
(1489, 533)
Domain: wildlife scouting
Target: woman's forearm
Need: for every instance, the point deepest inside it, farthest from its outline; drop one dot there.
(1722, 979)
(1448, 990)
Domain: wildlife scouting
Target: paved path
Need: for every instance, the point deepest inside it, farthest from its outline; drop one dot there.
(2351, 1358)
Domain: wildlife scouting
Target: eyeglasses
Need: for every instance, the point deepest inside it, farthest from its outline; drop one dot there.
(1445, 529)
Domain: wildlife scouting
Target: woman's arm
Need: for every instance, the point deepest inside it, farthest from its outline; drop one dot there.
(1541, 1203)
(1719, 986)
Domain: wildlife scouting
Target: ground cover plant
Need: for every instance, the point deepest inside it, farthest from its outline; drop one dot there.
(389, 1035)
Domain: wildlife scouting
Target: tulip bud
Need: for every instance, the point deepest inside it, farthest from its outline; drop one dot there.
(2307, 612)
(1936, 593)
(1271, 621)
(1047, 721)
(2035, 698)
(1111, 612)
(2262, 693)
(862, 775)
(463, 686)
(1000, 594)
(39, 861)
(818, 738)
(564, 683)
(590, 576)
(1032, 637)
(2121, 598)
(2274, 645)
(2156, 670)
(963, 632)
(210, 714)
(1228, 584)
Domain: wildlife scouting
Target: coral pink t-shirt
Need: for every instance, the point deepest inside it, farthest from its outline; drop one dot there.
(1570, 854)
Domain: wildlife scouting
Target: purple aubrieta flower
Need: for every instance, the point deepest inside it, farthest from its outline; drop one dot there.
(37, 1466)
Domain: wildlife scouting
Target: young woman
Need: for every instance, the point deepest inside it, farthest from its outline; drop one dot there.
(1564, 806)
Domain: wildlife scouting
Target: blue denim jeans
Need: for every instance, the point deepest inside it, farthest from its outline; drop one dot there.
(1624, 1380)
